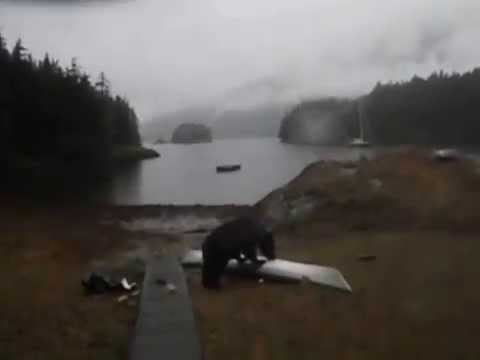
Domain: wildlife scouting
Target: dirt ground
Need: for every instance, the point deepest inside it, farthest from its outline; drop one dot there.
(45, 251)
(417, 300)
(45, 313)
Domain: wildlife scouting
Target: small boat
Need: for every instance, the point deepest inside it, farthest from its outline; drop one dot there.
(360, 142)
(228, 168)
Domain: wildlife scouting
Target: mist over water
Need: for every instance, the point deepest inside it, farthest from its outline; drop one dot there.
(171, 54)
(186, 174)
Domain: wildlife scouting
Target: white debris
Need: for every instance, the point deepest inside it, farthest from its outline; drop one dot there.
(376, 184)
(122, 298)
(171, 288)
(126, 285)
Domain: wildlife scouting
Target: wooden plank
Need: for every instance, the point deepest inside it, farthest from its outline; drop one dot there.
(166, 327)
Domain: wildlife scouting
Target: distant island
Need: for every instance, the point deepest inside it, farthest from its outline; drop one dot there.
(56, 120)
(442, 109)
(259, 120)
(190, 133)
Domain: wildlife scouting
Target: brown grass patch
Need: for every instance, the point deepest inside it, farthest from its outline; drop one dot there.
(45, 314)
(417, 300)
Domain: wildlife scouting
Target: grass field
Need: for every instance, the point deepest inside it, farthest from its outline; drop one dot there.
(417, 300)
(44, 311)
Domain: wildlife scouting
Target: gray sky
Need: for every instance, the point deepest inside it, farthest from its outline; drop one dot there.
(168, 54)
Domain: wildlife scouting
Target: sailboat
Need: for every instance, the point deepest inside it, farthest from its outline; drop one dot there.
(360, 142)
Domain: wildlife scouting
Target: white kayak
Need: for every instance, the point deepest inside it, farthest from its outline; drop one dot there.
(280, 270)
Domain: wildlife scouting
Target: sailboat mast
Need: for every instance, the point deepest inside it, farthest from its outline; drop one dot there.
(359, 115)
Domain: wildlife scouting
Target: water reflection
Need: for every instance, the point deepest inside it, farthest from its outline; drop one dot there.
(186, 174)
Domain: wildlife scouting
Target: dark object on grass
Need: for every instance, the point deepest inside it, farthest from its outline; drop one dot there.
(161, 282)
(96, 284)
(446, 155)
(238, 239)
(367, 258)
(99, 284)
(228, 168)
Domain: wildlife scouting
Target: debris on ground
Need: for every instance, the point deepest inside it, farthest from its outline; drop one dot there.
(446, 155)
(97, 284)
(126, 285)
(366, 257)
(161, 282)
(171, 288)
(376, 184)
(128, 297)
(122, 298)
(168, 286)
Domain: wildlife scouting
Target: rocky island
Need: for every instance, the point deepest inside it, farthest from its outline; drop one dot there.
(190, 133)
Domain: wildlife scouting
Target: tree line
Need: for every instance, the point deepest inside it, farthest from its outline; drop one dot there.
(442, 109)
(57, 116)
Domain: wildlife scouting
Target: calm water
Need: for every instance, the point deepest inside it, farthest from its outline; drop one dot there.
(186, 174)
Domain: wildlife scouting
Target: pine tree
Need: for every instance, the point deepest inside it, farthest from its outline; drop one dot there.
(18, 51)
(103, 85)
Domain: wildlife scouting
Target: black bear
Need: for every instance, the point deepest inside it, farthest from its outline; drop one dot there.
(238, 239)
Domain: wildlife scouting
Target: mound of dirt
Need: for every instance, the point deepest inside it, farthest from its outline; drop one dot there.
(400, 189)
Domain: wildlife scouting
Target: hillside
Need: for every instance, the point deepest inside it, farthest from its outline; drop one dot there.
(439, 110)
(56, 120)
(319, 122)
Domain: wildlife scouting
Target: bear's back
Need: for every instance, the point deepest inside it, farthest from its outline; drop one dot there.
(235, 235)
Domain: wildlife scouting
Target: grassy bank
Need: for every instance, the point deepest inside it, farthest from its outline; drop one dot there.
(416, 300)
(44, 252)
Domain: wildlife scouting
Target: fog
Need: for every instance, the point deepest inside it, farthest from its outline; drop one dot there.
(170, 54)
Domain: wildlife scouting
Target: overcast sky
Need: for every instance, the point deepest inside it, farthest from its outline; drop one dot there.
(169, 54)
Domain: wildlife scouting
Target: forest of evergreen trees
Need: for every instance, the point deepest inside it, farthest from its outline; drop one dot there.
(443, 109)
(319, 122)
(57, 117)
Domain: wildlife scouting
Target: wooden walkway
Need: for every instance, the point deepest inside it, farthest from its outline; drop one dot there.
(166, 327)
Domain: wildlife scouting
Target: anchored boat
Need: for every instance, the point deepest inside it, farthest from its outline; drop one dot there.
(228, 168)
